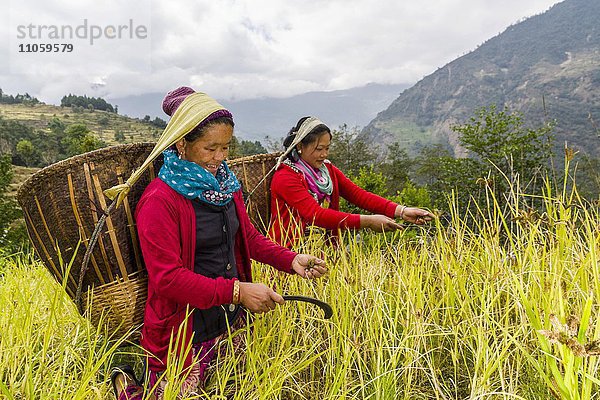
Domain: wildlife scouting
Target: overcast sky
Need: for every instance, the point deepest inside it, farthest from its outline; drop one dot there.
(239, 49)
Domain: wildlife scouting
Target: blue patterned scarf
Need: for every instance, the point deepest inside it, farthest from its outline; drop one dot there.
(192, 181)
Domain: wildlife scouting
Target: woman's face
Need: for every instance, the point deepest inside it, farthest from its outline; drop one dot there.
(316, 152)
(210, 149)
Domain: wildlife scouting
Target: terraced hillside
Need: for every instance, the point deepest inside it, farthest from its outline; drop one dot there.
(104, 124)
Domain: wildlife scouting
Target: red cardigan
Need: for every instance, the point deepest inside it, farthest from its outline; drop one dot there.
(166, 226)
(293, 207)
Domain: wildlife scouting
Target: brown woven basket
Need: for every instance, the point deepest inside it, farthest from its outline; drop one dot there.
(255, 174)
(62, 204)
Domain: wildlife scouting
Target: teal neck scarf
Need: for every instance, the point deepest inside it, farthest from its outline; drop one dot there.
(194, 182)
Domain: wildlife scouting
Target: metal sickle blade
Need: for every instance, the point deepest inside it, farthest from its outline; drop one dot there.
(324, 306)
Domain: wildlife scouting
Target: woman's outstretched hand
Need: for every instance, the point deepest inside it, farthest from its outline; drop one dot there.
(379, 223)
(308, 266)
(258, 297)
(413, 214)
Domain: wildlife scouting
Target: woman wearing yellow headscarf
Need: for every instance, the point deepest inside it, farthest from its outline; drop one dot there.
(198, 242)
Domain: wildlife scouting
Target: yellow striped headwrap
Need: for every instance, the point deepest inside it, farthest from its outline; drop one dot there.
(194, 109)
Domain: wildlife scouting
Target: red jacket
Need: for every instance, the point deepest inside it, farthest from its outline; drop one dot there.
(293, 207)
(166, 226)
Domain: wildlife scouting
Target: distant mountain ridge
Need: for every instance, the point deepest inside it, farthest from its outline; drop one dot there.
(274, 117)
(547, 67)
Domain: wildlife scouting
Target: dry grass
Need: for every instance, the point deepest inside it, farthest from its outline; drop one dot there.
(500, 305)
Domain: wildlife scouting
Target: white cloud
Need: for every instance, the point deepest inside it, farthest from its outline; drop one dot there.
(236, 49)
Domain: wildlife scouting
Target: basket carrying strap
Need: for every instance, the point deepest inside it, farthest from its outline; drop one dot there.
(88, 252)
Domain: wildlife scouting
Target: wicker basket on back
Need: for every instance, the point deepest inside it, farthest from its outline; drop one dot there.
(62, 205)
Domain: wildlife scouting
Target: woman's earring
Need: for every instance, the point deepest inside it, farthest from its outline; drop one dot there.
(181, 155)
(299, 151)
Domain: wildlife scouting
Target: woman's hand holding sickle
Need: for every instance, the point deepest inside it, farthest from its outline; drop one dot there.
(259, 298)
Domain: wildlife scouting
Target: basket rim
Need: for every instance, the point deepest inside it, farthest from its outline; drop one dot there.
(253, 157)
(25, 186)
(118, 148)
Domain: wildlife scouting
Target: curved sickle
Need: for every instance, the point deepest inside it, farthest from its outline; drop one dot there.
(324, 306)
